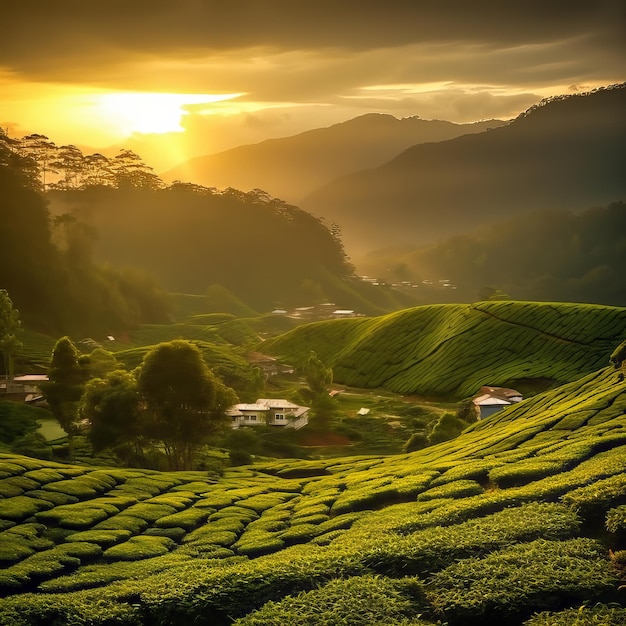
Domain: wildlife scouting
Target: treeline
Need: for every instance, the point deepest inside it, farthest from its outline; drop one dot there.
(47, 268)
(190, 238)
(543, 255)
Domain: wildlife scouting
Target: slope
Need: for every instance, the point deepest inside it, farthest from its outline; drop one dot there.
(292, 167)
(451, 350)
(567, 153)
(411, 539)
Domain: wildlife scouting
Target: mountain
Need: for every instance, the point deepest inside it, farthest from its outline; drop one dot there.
(424, 538)
(451, 350)
(291, 167)
(567, 153)
(558, 255)
(260, 250)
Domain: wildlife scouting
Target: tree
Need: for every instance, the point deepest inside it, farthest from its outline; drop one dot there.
(111, 405)
(67, 374)
(319, 379)
(184, 403)
(102, 362)
(10, 330)
(44, 151)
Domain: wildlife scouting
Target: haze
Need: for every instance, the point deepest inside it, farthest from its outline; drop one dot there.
(176, 80)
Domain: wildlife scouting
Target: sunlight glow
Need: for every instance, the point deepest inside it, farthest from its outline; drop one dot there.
(139, 112)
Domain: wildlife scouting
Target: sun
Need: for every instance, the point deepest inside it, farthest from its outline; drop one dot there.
(149, 112)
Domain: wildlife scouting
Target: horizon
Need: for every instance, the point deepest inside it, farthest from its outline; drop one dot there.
(172, 83)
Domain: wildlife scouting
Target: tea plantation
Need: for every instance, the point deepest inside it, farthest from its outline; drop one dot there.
(519, 520)
(450, 350)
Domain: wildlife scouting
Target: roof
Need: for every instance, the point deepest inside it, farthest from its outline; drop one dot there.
(268, 404)
(31, 378)
(487, 399)
(277, 403)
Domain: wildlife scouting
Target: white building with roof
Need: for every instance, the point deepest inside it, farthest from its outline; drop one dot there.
(269, 412)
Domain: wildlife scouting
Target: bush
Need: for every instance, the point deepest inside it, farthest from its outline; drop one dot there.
(358, 601)
(598, 615)
(141, 547)
(447, 427)
(32, 444)
(416, 441)
(541, 574)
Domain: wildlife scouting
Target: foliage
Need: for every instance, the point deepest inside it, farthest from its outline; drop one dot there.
(10, 331)
(18, 419)
(185, 402)
(450, 351)
(111, 404)
(357, 601)
(67, 374)
(282, 535)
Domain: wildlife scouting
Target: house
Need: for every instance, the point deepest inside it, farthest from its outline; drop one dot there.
(492, 399)
(269, 412)
(24, 388)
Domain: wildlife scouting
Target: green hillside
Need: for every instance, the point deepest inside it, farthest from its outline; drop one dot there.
(413, 539)
(451, 350)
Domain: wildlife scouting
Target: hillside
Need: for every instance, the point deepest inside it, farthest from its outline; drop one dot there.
(567, 153)
(412, 539)
(292, 167)
(556, 255)
(261, 250)
(451, 350)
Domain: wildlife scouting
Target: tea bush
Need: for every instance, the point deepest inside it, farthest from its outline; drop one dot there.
(501, 586)
(358, 601)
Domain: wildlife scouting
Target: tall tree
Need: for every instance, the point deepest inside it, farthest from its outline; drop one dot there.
(45, 152)
(10, 330)
(185, 404)
(68, 373)
(111, 405)
(319, 379)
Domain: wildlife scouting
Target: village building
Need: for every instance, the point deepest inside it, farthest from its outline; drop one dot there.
(490, 400)
(269, 412)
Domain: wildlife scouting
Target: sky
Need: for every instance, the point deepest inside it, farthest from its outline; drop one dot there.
(173, 79)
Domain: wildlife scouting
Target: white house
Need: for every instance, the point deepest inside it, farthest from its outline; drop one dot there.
(269, 412)
(493, 399)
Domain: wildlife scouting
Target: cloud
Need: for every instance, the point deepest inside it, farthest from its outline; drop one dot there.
(79, 41)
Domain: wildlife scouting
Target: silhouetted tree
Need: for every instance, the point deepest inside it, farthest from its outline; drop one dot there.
(10, 331)
(184, 403)
(111, 405)
(68, 373)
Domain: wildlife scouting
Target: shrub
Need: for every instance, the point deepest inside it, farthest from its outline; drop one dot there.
(598, 615)
(123, 522)
(416, 441)
(541, 574)
(103, 538)
(149, 512)
(358, 601)
(175, 534)
(256, 543)
(18, 508)
(436, 547)
(616, 520)
(188, 519)
(593, 501)
(457, 489)
(140, 547)
(73, 516)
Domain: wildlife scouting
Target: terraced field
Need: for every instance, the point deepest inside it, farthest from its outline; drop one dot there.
(452, 350)
(520, 520)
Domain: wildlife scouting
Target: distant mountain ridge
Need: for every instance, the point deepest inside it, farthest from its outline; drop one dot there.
(291, 167)
(568, 153)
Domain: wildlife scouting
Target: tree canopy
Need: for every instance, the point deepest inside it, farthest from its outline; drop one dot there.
(184, 402)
